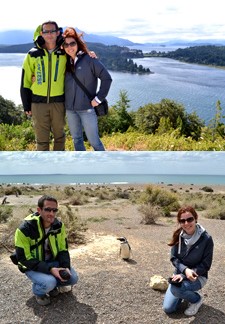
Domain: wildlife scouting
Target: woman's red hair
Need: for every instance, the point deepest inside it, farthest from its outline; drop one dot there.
(182, 210)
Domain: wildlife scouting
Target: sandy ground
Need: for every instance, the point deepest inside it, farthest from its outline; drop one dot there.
(110, 290)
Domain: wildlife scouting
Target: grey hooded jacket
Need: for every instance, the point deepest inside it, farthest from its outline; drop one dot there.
(88, 70)
(198, 257)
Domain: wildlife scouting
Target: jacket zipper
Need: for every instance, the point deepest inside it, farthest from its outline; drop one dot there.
(49, 76)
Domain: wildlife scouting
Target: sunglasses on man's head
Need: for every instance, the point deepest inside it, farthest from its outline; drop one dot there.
(48, 209)
(49, 31)
(188, 220)
(72, 44)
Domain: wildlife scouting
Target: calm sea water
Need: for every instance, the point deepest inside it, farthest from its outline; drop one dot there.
(112, 179)
(197, 87)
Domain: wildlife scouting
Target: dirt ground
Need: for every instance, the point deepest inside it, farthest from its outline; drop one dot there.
(110, 290)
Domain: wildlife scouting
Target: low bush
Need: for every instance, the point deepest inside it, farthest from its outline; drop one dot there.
(160, 197)
(74, 226)
(5, 213)
(13, 190)
(150, 214)
(78, 200)
(216, 213)
(206, 189)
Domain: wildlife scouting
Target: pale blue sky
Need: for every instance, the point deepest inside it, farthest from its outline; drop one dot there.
(113, 162)
(139, 21)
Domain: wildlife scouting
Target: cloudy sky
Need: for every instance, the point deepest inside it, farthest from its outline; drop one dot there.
(141, 21)
(211, 163)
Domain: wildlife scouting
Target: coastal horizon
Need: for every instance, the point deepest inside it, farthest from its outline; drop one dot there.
(107, 179)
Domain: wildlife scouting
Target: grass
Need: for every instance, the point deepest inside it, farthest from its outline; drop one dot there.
(128, 141)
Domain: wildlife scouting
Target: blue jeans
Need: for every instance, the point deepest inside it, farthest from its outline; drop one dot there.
(174, 295)
(87, 119)
(42, 283)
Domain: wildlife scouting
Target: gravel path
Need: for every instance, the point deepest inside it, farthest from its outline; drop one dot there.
(110, 290)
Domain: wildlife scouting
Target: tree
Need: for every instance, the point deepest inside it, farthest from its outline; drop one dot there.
(148, 119)
(123, 118)
(118, 119)
(192, 126)
(9, 113)
(164, 126)
(216, 124)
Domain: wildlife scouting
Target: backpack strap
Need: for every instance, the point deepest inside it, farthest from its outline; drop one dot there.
(40, 242)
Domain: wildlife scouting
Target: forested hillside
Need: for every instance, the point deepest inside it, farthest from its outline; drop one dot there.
(208, 55)
(115, 58)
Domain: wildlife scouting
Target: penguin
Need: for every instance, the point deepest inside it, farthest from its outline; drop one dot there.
(125, 249)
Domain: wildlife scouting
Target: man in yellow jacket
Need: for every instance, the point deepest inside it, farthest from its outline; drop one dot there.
(42, 86)
(42, 251)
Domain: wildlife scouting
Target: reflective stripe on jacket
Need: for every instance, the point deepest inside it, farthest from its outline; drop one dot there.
(49, 72)
(29, 234)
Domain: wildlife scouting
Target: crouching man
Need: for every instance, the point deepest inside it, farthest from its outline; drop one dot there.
(42, 251)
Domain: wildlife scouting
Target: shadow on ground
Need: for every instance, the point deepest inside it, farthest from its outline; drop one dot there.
(206, 314)
(63, 309)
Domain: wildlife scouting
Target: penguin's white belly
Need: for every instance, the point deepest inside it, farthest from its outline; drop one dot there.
(125, 251)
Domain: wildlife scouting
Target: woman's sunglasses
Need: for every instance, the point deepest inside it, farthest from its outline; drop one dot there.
(72, 44)
(188, 220)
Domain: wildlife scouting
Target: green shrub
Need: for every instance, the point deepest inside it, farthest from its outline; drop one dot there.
(16, 216)
(69, 191)
(78, 200)
(123, 194)
(104, 194)
(150, 214)
(74, 226)
(12, 190)
(5, 213)
(216, 213)
(206, 189)
(160, 197)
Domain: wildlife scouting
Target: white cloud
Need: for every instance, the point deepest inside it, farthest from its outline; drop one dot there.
(143, 21)
(112, 162)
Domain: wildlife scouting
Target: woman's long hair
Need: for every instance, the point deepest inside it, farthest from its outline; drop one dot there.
(81, 46)
(176, 233)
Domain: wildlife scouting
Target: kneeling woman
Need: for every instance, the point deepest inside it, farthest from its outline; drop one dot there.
(79, 107)
(191, 255)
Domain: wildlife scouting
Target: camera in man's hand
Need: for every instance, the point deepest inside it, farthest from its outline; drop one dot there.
(175, 282)
(64, 274)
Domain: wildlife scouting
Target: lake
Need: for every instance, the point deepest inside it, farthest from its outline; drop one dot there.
(196, 87)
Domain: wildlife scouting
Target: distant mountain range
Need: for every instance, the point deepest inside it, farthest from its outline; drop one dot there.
(14, 37)
(197, 42)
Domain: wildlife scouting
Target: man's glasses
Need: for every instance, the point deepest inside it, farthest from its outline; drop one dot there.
(188, 220)
(72, 44)
(53, 31)
(49, 209)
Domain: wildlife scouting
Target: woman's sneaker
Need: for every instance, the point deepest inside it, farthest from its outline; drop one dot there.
(43, 300)
(65, 289)
(193, 308)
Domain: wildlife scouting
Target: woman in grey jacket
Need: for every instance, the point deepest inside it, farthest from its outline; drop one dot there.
(191, 255)
(79, 108)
